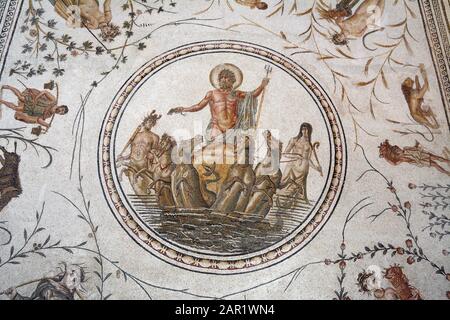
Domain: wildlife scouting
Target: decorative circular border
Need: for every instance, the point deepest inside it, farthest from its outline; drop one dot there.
(237, 264)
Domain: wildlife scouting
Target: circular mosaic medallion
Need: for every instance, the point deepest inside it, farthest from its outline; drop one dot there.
(199, 200)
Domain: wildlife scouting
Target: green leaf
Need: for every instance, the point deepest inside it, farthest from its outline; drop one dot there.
(68, 250)
(46, 241)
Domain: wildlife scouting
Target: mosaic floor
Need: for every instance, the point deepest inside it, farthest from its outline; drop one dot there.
(234, 149)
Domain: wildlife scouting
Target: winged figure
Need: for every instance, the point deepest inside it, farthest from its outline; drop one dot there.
(352, 24)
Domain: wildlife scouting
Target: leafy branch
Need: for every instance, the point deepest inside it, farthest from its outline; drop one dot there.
(436, 197)
(15, 134)
(212, 2)
(5, 229)
(401, 41)
(25, 250)
(402, 210)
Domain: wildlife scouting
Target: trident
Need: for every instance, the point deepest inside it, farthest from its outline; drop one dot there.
(268, 69)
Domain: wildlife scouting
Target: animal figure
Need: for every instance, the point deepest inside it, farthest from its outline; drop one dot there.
(185, 181)
(10, 186)
(162, 172)
(352, 25)
(370, 281)
(414, 96)
(268, 178)
(86, 13)
(401, 289)
(235, 192)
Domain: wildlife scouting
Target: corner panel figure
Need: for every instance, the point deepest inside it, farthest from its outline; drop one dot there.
(87, 13)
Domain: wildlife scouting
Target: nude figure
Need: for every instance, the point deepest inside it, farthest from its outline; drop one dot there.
(353, 25)
(34, 106)
(223, 103)
(137, 162)
(87, 13)
(416, 155)
(370, 282)
(414, 94)
(300, 151)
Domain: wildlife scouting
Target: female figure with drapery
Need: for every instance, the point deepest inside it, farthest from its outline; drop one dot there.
(299, 153)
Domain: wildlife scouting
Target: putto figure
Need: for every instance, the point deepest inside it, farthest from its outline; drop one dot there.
(414, 94)
(416, 156)
(370, 280)
(352, 25)
(87, 13)
(230, 108)
(67, 283)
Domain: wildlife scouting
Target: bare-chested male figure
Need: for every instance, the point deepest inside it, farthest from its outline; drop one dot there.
(224, 100)
(34, 106)
(139, 161)
(414, 94)
(87, 13)
(416, 155)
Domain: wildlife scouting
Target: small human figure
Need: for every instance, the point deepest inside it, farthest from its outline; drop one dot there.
(300, 151)
(64, 286)
(268, 178)
(138, 161)
(34, 106)
(162, 167)
(352, 25)
(87, 13)
(252, 4)
(416, 155)
(370, 282)
(414, 96)
(228, 106)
